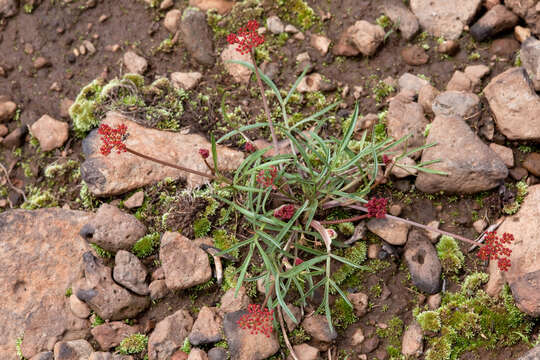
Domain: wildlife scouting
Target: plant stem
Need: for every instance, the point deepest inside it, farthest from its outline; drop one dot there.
(265, 103)
(351, 219)
(188, 170)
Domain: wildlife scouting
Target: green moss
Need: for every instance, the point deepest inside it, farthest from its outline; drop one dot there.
(382, 90)
(473, 282)
(383, 21)
(429, 321)
(299, 336)
(451, 257)
(298, 13)
(86, 198)
(393, 332)
(521, 191)
(101, 252)
(186, 347)
(223, 241)
(69, 292)
(82, 110)
(355, 254)
(133, 344)
(146, 245)
(18, 344)
(56, 169)
(343, 314)
(346, 228)
(28, 8)
(201, 227)
(26, 169)
(97, 320)
(37, 198)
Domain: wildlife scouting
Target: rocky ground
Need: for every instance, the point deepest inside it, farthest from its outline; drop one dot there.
(101, 257)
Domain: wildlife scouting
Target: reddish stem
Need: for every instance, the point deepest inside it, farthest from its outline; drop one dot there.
(351, 219)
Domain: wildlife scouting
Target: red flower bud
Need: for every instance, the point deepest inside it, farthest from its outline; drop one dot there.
(204, 153)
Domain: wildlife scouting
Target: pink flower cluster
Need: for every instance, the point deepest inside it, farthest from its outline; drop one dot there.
(494, 249)
(257, 320)
(247, 37)
(377, 207)
(284, 212)
(266, 177)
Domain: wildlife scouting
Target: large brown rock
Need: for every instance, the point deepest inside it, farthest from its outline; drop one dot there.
(524, 273)
(169, 335)
(119, 173)
(528, 10)
(496, 20)
(471, 166)
(50, 133)
(197, 36)
(514, 104)
(400, 14)
(530, 57)
(359, 38)
(221, 6)
(110, 334)
(185, 264)
(40, 257)
(207, 327)
(317, 327)
(423, 262)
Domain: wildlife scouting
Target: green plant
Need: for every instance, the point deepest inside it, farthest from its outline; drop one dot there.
(133, 344)
(69, 292)
(343, 314)
(37, 198)
(97, 320)
(101, 252)
(186, 346)
(429, 321)
(451, 257)
(146, 245)
(521, 191)
(18, 344)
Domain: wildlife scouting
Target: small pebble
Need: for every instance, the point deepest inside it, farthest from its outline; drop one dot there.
(82, 50)
(395, 209)
(103, 18)
(76, 52)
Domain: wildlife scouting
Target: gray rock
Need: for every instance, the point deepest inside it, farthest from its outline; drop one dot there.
(169, 335)
(197, 354)
(109, 300)
(295, 310)
(184, 263)
(423, 263)
(243, 345)
(197, 36)
(207, 327)
(530, 58)
(456, 104)
(528, 10)
(317, 327)
(426, 96)
(130, 273)
(172, 20)
(78, 307)
(112, 229)
(72, 350)
(274, 24)
(305, 352)
(392, 231)
(186, 80)
(412, 344)
(459, 82)
(8, 8)
(470, 165)
(231, 303)
(533, 354)
(445, 18)
(217, 353)
(514, 104)
(109, 335)
(496, 20)
(158, 289)
(134, 63)
(15, 138)
(135, 200)
(505, 153)
(45, 355)
(400, 14)
(411, 82)
(362, 37)
(360, 303)
(120, 173)
(50, 133)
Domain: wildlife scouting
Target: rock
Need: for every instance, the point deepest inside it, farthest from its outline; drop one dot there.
(239, 73)
(392, 231)
(207, 327)
(317, 327)
(72, 350)
(448, 47)
(78, 308)
(395, 209)
(528, 10)
(521, 33)
(434, 301)
(51, 133)
(33, 243)
(184, 263)
(120, 173)
(530, 58)
(414, 55)
(217, 353)
(523, 276)
(321, 43)
(475, 73)
(8, 8)
(172, 20)
(41, 63)
(3, 130)
(270, 69)
(104, 296)
(231, 303)
(158, 289)
(406, 118)
(533, 354)
(403, 168)
(411, 82)
(532, 163)
(243, 345)
(479, 225)
(358, 337)
(445, 19)
(166, 4)
(362, 37)
(518, 173)
(7, 110)
(459, 82)
(130, 273)
(471, 166)
(65, 104)
(401, 15)
(197, 354)
(134, 63)
(370, 344)
(504, 47)
(169, 335)
(315, 82)
(505, 153)
(514, 104)
(112, 229)
(15, 138)
(305, 352)
(360, 303)
(412, 344)
(89, 46)
(109, 335)
(135, 200)
(45, 355)
(179, 355)
(295, 310)
(456, 104)
(373, 251)
(274, 24)
(496, 20)
(197, 36)
(100, 355)
(222, 6)
(426, 96)
(186, 81)
(423, 262)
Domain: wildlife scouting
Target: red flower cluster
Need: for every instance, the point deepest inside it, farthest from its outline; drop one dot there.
(494, 249)
(284, 212)
(112, 138)
(377, 207)
(204, 153)
(247, 37)
(266, 177)
(386, 160)
(298, 261)
(257, 320)
(249, 147)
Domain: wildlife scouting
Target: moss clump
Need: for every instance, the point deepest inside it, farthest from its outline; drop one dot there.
(298, 13)
(223, 241)
(299, 336)
(393, 332)
(241, 13)
(521, 191)
(186, 347)
(18, 344)
(471, 319)
(346, 228)
(133, 344)
(429, 321)
(101, 252)
(96, 320)
(383, 21)
(146, 245)
(201, 227)
(355, 254)
(382, 90)
(343, 314)
(37, 198)
(55, 169)
(82, 112)
(87, 200)
(451, 257)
